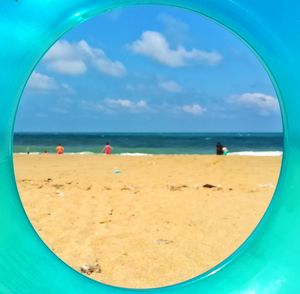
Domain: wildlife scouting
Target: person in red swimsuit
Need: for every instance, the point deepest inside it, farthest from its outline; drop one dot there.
(60, 149)
(107, 149)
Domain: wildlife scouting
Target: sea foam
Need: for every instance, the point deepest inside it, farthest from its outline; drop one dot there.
(256, 153)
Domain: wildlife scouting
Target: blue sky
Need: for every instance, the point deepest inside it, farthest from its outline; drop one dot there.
(149, 69)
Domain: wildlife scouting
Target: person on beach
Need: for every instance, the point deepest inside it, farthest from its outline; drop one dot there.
(225, 150)
(219, 149)
(60, 149)
(107, 149)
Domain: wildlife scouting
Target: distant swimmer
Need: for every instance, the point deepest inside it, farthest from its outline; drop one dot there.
(107, 149)
(60, 149)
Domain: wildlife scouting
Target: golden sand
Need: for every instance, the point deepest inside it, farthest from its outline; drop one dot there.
(145, 221)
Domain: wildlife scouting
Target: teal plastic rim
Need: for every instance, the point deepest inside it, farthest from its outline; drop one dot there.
(268, 262)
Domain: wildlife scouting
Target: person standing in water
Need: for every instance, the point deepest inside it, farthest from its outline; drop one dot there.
(60, 149)
(219, 149)
(107, 149)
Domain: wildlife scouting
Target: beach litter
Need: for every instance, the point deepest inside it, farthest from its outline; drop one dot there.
(209, 186)
(89, 269)
(177, 187)
(105, 221)
(126, 188)
(133, 189)
(268, 185)
(60, 193)
(117, 171)
(107, 188)
(164, 241)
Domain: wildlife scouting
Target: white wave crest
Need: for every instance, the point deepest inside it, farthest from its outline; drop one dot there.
(256, 153)
(135, 154)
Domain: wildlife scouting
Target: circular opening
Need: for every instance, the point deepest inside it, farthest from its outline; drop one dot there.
(176, 84)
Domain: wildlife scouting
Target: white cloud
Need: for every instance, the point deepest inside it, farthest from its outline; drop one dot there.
(126, 104)
(68, 88)
(170, 86)
(111, 68)
(67, 67)
(116, 105)
(154, 45)
(194, 109)
(45, 83)
(40, 81)
(74, 58)
(265, 104)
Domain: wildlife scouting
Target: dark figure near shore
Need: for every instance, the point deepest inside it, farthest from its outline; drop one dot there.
(219, 149)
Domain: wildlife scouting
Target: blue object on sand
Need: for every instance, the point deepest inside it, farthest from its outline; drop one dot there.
(269, 261)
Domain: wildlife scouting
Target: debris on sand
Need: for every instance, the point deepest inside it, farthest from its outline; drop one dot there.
(209, 186)
(133, 189)
(57, 186)
(105, 221)
(164, 241)
(268, 185)
(177, 187)
(107, 188)
(89, 269)
(126, 188)
(60, 193)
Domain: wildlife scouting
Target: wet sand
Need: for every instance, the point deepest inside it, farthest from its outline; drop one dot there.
(145, 221)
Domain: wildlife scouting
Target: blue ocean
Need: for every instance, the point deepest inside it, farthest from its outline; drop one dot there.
(149, 143)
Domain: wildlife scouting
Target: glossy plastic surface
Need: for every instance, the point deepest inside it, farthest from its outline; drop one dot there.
(269, 261)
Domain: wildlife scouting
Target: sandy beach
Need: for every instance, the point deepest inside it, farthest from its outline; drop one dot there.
(145, 221)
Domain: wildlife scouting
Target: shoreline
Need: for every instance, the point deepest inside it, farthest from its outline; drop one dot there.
(88, 153)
